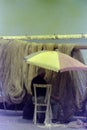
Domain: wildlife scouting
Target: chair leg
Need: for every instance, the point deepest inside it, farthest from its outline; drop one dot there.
(4, 105)
(35, 115)
(46, 116)
(3, 100)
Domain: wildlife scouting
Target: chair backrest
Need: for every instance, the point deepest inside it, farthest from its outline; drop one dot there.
(48, 91)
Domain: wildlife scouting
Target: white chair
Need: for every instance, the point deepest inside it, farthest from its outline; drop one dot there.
(2, 96)
(45, 103)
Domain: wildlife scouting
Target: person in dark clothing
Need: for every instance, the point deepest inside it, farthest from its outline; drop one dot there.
(39, 79)
(41, 92)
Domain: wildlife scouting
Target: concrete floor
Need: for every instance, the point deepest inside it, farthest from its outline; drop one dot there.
(12, 120)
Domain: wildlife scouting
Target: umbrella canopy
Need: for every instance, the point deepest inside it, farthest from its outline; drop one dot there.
(54, 60)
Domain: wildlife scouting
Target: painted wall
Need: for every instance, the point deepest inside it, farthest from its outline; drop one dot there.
(34, 17)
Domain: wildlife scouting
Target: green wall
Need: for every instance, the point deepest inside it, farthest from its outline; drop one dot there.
(41, 17)
(34, 17)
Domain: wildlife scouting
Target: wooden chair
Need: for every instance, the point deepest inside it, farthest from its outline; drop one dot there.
(2, 96)
(45, 103)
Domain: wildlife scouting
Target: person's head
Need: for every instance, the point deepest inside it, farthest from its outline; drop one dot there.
(41, 72)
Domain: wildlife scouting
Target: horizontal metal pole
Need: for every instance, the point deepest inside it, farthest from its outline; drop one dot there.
(47, 37)
(50, 37)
